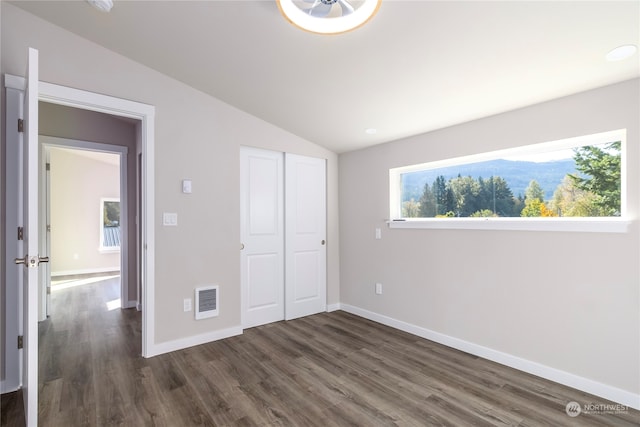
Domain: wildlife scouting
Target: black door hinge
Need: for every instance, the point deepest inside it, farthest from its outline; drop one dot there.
(20, 125)
(20, 342)
(20, 233)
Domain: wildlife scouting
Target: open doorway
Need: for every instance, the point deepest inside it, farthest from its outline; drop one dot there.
(83, 223)
(89, 200)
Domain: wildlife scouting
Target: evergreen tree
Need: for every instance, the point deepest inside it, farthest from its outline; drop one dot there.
(601, 167)
(485, 195)
(466, 191)
(504, 203)
(442, 196)
(427, 203)
(450, 202)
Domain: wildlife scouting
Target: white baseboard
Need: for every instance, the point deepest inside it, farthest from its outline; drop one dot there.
(86, 271)
(182, 343)
(565, 378)
(130, 304)
(8, 387)
(333, 307)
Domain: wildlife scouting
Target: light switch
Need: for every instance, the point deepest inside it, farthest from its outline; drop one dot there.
(186, 186)
(170, 219)
(378, 234)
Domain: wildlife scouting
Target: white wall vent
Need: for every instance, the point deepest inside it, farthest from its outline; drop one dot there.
(207, 302)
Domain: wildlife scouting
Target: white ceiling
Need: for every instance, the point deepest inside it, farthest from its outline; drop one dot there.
(415, 67)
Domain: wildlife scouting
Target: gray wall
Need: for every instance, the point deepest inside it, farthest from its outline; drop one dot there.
(196, 137)
(569, 301)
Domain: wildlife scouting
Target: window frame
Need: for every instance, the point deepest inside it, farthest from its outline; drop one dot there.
(103, 248)
(570, 224)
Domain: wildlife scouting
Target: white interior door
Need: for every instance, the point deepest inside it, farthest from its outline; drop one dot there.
(28, 190)
(262, 236)
(305, 231)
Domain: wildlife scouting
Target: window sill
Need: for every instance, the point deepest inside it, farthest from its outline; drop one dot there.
(582, 225)
(108, 250)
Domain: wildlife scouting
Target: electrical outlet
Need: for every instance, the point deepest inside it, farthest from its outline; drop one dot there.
(378, 234)
(187, 304)
(378, 288)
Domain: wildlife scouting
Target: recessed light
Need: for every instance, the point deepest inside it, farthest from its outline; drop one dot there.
(371, 131)
(621, 52)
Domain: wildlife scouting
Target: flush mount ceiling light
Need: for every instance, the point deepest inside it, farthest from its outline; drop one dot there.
(621, 52)
(101, 5)
(328, 16)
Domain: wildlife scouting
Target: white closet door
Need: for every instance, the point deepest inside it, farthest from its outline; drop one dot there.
(262, 235)
(305, 236)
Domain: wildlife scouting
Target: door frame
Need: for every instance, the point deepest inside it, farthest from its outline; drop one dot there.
(46, 142)
(12, 306)
(145, 114)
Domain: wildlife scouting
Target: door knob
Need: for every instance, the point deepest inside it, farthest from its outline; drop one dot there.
(322, 243)
(241, 246)
(31, 261)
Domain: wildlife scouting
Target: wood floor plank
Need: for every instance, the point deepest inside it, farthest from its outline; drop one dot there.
(327, 370)
(11, 410)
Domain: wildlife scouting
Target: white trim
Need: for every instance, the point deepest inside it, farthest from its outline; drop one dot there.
(12, 304)
(114, 269)
(556, 375)
(8, 387)
(14, 82)
(76, 98)
(334, 307)
(584, 225)
(63, 95)
(182, 343)
(129, 304)
(54, 141)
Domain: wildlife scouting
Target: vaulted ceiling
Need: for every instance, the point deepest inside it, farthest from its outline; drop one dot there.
(415, 67)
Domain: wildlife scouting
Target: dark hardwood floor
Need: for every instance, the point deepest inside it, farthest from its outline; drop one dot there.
(11, 410)
(330, 369)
